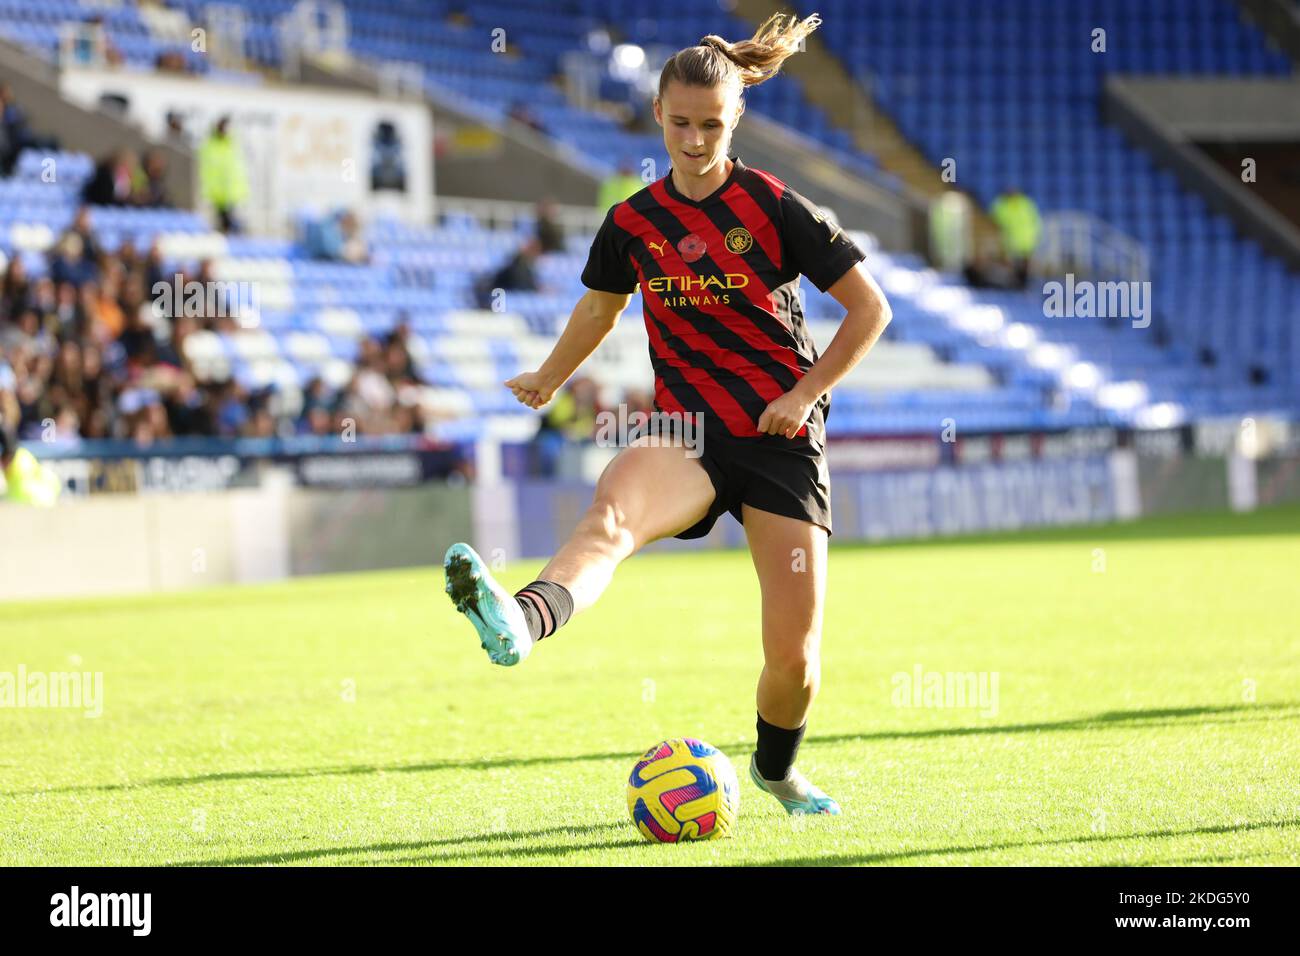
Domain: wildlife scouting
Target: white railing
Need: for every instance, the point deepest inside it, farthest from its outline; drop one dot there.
(318, 27)
(582, 72)
(227, 26)
(502, 213)
(1082, 243)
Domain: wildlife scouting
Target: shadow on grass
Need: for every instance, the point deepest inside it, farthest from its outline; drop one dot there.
(425, 851)
(1155, 717)
(522, 852)
(870, 858)
(1108, 720)
(321, 853)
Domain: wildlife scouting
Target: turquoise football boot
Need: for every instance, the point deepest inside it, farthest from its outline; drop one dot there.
(796, 794)
(494, 612)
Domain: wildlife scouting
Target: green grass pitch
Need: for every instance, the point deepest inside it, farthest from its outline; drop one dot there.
(1148, 712)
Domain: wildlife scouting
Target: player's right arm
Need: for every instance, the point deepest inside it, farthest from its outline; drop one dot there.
(593, 318)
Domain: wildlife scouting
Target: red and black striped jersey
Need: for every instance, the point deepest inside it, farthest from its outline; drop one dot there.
(719, 279)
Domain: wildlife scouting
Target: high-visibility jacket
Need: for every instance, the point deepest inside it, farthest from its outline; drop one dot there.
(221, 172)
(1017, 218)
(617, 188)
(28, 482)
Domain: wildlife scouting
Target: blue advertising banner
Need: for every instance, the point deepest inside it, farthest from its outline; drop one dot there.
(879, 505)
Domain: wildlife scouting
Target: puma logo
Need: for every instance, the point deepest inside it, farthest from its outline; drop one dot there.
(658, 247)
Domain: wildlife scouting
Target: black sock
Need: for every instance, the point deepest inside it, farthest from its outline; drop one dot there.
(777, 747)
(547, 607)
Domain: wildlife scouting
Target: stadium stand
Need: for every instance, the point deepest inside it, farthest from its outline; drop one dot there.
(452, 47)
(319, 332)
(1029, 113)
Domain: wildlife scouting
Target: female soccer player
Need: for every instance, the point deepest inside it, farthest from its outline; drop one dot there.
(717, 249)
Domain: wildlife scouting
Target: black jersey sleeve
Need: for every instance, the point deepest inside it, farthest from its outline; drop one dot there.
(814, 245)
(608, 266)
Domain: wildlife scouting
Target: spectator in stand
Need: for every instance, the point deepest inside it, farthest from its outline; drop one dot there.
(188, 412)
(231, 408)
(15, 134)
(26, 480)
(221, 174)
(109, 311)
(992, 274)
(337, 237)
(68, 311)
(373, 387)
(142, 416)
(82, 349)
(25, 334)
(1017, 219)
(397, 357)
(88, 307)
(137, 338)
(13, 130)
(85, 231)
(518, 274)
(9, 410)
(317, 416)
(549, 233)
(621, 185)
(170, 61)
(129, 256)
(71, 264)
(260, 423)
(570, 418)
(114, 181)
(152, 190)
(98, 393)
(197, 307)
(42, 295)
(68, 371)
(14, 290)
(155, 270)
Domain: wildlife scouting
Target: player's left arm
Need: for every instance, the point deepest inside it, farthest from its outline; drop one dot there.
(867, 313)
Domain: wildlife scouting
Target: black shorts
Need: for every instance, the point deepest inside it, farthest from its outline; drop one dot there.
(785, 476)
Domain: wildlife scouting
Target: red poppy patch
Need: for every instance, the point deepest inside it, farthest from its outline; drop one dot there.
(691, 247)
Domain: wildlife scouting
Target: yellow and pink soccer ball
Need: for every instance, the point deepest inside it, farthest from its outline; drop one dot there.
(683, 789)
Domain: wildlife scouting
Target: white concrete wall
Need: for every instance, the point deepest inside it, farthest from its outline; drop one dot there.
(115, 544)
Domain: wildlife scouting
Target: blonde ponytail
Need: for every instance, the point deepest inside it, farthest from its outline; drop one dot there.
(715, 61)
(760, 57)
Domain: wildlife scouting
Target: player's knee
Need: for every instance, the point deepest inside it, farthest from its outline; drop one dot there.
(796, 662)
(608, 521)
